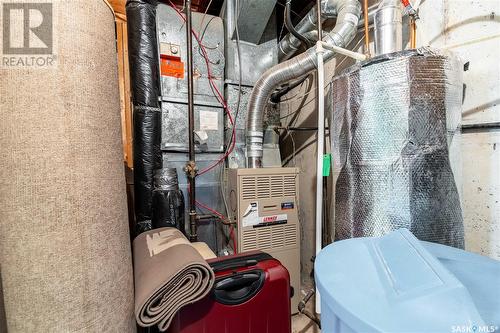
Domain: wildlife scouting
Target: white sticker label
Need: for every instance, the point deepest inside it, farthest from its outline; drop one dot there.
(251, 217)
(209, 120)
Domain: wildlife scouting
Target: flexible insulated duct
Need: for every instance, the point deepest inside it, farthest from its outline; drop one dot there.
(145, 85)
(64, 241)
(348, 15)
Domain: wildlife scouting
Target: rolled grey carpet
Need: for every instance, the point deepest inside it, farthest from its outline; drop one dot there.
(169, 274)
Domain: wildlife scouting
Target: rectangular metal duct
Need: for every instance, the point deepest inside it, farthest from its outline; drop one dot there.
(395, 120)
(253, 17)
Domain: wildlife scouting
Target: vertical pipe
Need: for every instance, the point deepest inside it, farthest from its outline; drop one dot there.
(321, 146)
(318, 20)
(413, 33)
(367, 31)
(230, 18)
(388, 27)
(191, 165)
(320, 100)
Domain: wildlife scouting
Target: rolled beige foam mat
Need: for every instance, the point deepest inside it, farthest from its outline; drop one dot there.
(169, 274)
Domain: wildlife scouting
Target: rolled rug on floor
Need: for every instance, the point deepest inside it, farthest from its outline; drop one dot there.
(169, 273)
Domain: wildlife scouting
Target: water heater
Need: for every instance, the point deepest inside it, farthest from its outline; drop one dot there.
(395, 131)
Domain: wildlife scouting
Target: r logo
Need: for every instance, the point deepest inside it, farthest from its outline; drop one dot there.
(27, 28)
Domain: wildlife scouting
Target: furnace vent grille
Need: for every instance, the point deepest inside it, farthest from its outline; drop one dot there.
(265, 187)
(270, 238)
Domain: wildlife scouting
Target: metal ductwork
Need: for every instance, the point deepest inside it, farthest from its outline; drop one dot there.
(289, 44)
(388, 27)
(348, 13)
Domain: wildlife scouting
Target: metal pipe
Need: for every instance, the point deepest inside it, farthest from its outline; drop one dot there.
(191, 164)
(289, 24)
(289, 44)
(388, 27)
(371, 17)
(342, 34)
(413, 33)
(367, 31)
(229, 18)
(319, 20)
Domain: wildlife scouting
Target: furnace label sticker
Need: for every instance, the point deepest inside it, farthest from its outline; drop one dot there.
(209, 120)
(272, 220)
(251, 217)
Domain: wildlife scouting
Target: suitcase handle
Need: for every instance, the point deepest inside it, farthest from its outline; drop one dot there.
(239, 287)
(234, 265)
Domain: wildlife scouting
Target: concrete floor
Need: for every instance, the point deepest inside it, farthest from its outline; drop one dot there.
(302, 324)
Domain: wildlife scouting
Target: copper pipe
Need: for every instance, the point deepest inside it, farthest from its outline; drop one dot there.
(367, 31)
(413, 33)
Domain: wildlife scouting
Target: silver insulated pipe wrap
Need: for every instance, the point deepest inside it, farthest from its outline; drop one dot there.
(396, 126)
(348, 12)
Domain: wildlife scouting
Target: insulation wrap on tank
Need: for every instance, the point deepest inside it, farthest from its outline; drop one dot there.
(65, 251)
(396, 126)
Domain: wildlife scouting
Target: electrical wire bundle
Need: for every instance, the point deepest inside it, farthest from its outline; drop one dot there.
(220, 98)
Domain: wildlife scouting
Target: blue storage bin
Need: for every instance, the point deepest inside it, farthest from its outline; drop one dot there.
(397, 283)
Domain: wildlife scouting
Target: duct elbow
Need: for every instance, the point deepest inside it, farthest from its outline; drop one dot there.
(348, 13)
(261, 93)
(290, 44)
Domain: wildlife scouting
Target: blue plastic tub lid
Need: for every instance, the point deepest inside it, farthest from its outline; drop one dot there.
(392, 284)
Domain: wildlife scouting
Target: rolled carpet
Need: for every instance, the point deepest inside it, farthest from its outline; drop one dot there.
(169, 273)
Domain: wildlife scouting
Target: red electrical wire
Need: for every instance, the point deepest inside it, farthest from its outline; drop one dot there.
(222, 217)
(223, 102)
(219, 97)
(231, 228)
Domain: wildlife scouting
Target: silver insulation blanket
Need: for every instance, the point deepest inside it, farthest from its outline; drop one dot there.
(395, 120)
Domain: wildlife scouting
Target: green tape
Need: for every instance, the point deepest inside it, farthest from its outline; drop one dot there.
(327, 163)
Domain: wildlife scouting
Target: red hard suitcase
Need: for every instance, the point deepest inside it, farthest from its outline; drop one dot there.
(251, 294)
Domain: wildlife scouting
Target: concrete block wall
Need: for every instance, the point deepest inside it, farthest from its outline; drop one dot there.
(471, 28)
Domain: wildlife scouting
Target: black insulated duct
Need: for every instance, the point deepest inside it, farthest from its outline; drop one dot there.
(145, 86)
